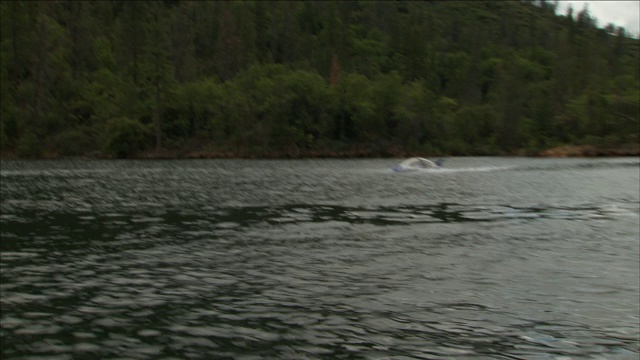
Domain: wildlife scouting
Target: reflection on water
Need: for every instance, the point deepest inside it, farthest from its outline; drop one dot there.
(320, 260)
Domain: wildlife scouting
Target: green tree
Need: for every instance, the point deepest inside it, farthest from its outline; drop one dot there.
(156, 68)
(293, 78)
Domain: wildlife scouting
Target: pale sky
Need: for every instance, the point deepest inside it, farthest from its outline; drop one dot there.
(620, 13)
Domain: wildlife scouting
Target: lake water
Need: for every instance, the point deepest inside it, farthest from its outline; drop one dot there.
(489, 258)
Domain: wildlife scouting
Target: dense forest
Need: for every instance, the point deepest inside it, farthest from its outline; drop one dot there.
(311, 78)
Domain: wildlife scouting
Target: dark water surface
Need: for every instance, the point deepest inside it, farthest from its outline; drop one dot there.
(490, 258)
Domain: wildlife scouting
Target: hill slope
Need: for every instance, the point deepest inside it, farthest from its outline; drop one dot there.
(128, 78)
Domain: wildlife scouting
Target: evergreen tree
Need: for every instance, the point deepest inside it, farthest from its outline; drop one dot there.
(294, 78)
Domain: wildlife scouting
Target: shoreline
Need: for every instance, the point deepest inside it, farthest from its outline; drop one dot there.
(564, 151)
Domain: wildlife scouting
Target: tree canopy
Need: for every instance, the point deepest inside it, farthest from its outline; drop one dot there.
(281, 78)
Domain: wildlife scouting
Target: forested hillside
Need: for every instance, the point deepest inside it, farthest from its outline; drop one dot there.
(312, 78)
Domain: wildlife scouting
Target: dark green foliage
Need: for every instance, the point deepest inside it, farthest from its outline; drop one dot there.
(294, 78)
(74, 142)
(124, 137)
(29, 146)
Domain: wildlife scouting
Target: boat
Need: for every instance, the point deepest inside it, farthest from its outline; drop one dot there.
(417, 163)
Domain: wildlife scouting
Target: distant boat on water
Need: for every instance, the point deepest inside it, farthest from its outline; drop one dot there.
(417, 163)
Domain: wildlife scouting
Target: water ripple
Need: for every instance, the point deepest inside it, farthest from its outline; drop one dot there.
(270, 260)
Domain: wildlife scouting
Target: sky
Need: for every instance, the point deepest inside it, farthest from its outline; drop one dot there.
(620, 13)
